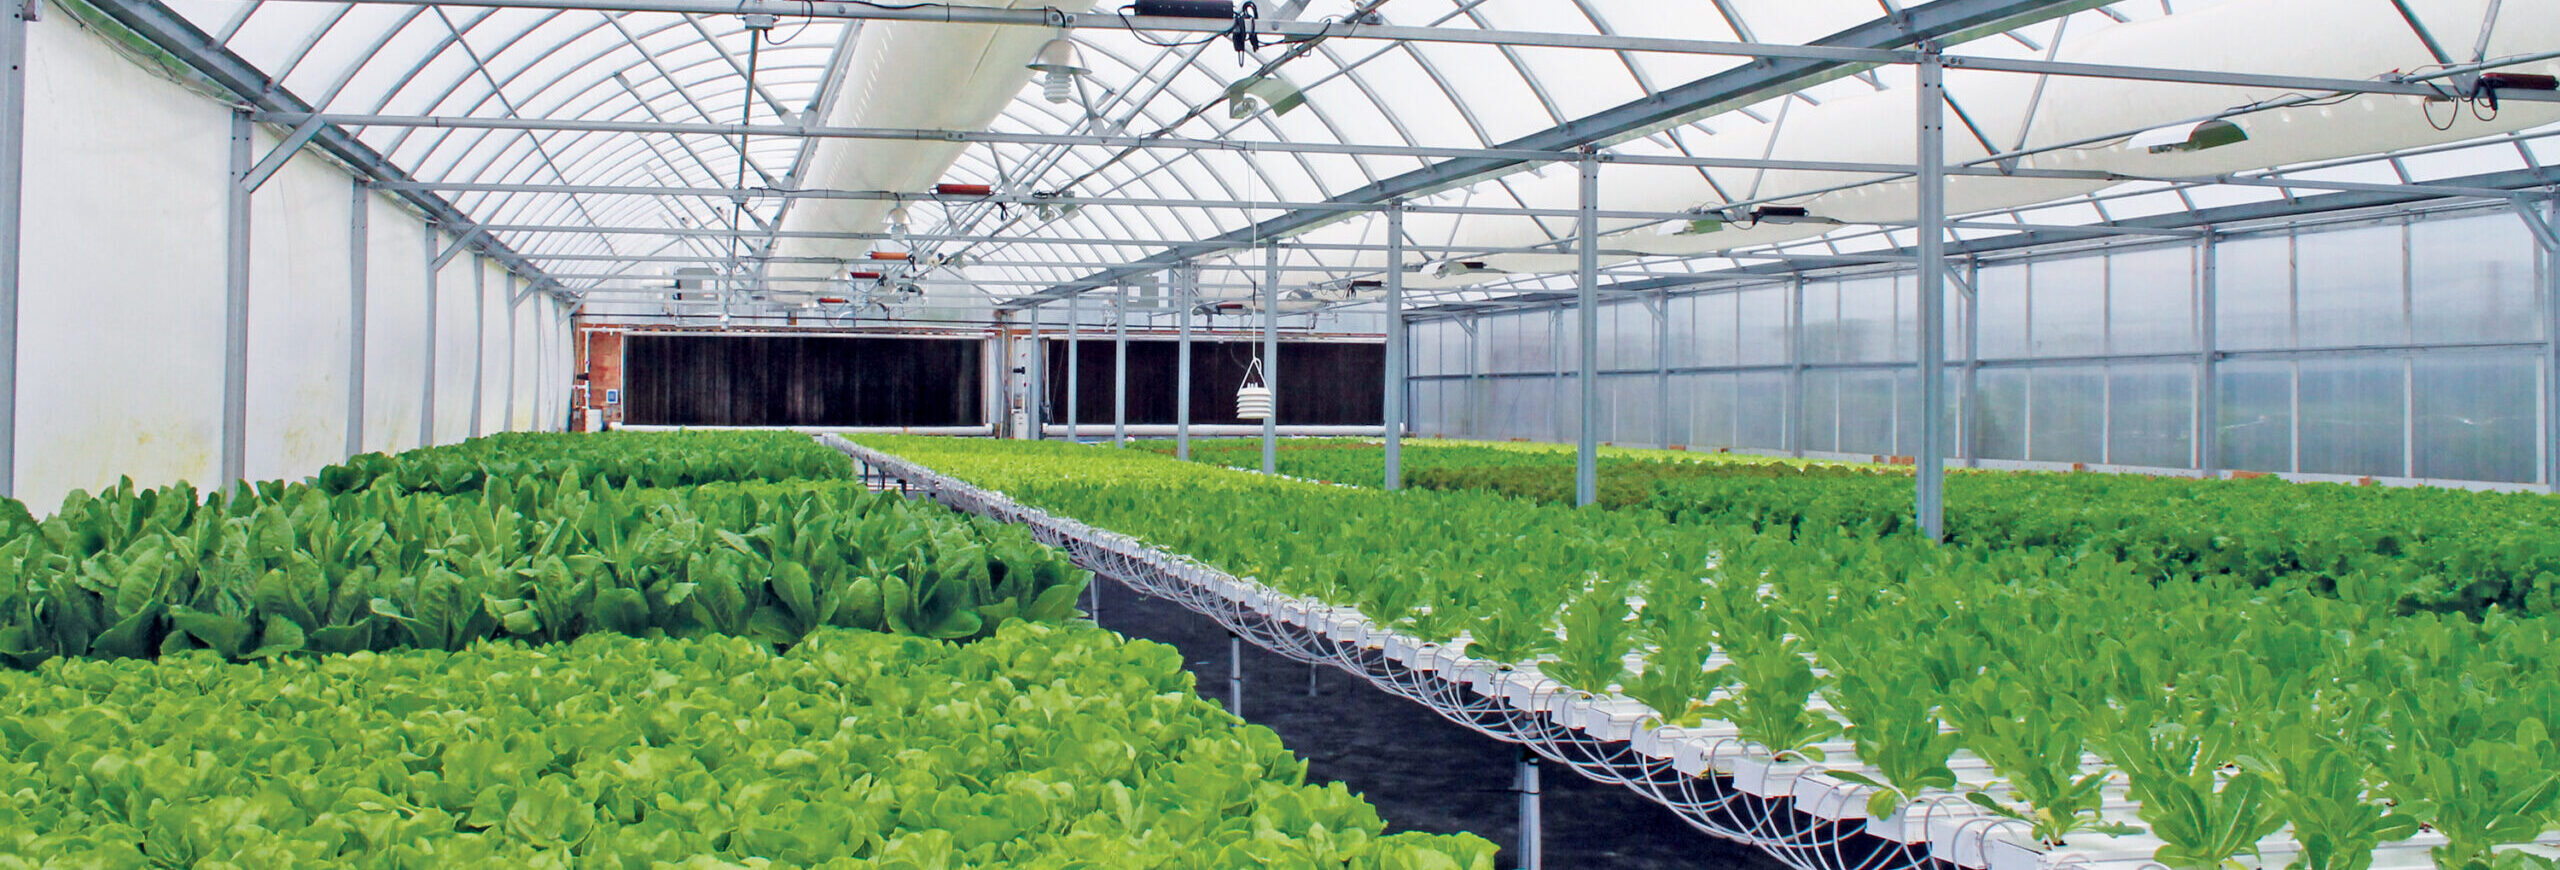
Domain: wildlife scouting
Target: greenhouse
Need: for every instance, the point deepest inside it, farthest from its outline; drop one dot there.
(1382, 434)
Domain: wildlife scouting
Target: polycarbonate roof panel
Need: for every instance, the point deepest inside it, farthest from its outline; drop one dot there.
(671, 69)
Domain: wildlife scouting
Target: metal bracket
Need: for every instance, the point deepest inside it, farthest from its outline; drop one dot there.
(459, 244)
(2543, 231)
(292, 144)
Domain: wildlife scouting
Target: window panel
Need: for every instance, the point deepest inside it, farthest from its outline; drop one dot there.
(2472, 279)
(2069, 407)
(2350, 289)
(1760, 411)
(2476, 417)
(2003, 414)
(2353, 412)
(1867, 410)
(2151, 421)
(2151, 300)
(2070, 299)
(2003, 297)
(2255, 417)
(2253, 294)
(1763, 325)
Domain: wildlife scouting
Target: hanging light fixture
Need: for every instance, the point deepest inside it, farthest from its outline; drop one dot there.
(1060, 63)
(898, 223)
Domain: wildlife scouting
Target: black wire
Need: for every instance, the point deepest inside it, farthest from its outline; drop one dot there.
(808, 17)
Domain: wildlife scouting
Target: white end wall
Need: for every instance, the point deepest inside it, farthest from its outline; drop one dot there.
(122, 296)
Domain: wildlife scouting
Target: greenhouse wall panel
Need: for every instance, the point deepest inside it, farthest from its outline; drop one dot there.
(298, 316)
(396, 318)
(120, 317)
(457, 343)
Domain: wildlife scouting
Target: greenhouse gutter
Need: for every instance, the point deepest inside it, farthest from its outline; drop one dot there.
(1940, 21)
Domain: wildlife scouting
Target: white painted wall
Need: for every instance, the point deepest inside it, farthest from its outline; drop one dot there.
(120, 283)
(121, 308)
(396, 317)
(455, 336)
(298, 315)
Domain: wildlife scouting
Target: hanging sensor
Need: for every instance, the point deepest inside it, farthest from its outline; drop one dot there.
(759, 21)
(1218, 9)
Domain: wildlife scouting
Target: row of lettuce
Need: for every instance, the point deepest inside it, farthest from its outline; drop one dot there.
(2233, 705)
(703, 650)
(2443, 550)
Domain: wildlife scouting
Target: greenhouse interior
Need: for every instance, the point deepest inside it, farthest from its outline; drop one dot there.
(1377, 434)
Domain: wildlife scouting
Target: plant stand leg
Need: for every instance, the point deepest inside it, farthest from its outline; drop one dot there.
(1235, 675)
(1532, 838)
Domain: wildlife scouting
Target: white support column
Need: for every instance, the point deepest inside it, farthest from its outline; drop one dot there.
(427, 391)
(507, 423)
(235, 310)
(1075, 374)
(359, 249)
(1971, 412)
(1120, 367)
(2209, 359)
(1035, 398)
(1397, 349)
(2548, 233)
(1586, 463)
(1791, 429)
(13, 140)
(1932, 456)
(1662, 369)
(1271, 355)
(479, 341)
(1186, 287)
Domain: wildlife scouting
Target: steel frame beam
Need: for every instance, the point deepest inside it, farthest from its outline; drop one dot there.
(234, 461)
(359, 254)
(164, 27)
(1931, 478)
(13, 150)
(1714, 94)
(1917, 21)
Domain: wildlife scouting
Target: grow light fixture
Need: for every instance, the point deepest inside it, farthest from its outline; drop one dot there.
(1256, 95)
(1458, 268)
(2199, 136)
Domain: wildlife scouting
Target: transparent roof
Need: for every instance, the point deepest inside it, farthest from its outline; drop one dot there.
(564, 170)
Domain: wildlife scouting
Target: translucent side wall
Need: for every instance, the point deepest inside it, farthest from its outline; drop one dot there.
(2406, 348)
(122, 294)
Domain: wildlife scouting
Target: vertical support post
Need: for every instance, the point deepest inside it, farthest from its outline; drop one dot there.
(479, 341)
(427, 393)
(1271, 355)
(1586, 460)
(1075, 378)
(1792, 428)
(1662, 370)
(235, 311)
(1235, 675)
(2549, 234)
(359, 249)
(1186, 284)
(13, 128)
(1120, 368)
(1035, 399)
(1932, 458)
(1533, 846)
(1972, 399)
(2209, 358)
(507, 421)
(1397, 350)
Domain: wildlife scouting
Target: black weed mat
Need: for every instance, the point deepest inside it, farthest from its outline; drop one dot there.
(1422, 772)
